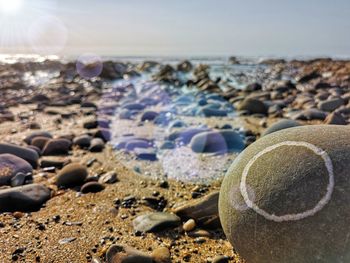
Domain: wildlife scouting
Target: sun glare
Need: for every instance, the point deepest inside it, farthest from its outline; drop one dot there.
(10, 6)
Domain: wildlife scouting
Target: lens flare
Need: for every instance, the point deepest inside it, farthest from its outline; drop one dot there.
(89, 66)
(10, 6)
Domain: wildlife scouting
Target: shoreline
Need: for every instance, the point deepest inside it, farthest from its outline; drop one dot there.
(76, 227)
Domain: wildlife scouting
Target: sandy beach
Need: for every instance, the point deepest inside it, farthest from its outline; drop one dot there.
(110, 149)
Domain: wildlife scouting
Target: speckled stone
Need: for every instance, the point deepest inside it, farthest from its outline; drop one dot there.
(287, 208)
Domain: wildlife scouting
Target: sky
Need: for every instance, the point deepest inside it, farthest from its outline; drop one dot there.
(176, 28)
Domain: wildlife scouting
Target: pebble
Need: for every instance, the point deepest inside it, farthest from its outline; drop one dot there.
(221, 259)
(108, 178)
(54, 161)
(204, 210)
(66, 240)
(92, 187)
(40, 142)
(29, 155)
(146, 154)
(330, 105)
(189, 225)
(18, 179)
(57, 147)
(24, 198)
(217, 142)
(149, 116)
(104, 134)
(97, 145)
(310, 114)
(161, 255)
(155, 222)
(253, 106)
(12, 166)
(335, 119)
(33, 135)
(83, 141)
(281, 125)
(71, 175)
(124, 254)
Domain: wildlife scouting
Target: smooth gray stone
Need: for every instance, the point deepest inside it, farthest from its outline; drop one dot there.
(124, 254)
(286, 197)
(155, 222)
(217, 142)
(281, 125)
(24, 198)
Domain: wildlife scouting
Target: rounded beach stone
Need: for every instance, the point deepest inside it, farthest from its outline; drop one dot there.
(92, 187)
(330, 105)
(83, 141)
(285, 198)
(281, 125)
(31, 156)
(161, 255)
(149, 115)
(57, 146)
(33, 135)
(10, 166)
(119, 253)
(217, 141)
(155, 222)
(24, 198)
(336, 119)
(97, 145)
(253, 106)
(209, 112)
(40, 142)
(71, 175)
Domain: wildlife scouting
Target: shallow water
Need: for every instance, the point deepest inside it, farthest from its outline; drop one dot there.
(177, 104)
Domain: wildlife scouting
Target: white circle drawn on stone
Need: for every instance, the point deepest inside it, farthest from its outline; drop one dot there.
(290, 217)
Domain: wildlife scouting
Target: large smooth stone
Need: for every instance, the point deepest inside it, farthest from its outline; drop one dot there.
(149, 116)
(92, 187)
(286, 197)
(133, 144)
(24, 198)
(10, 165)
(209, 112)
(148, 154)
(122, 142)
(217, 142)
(83, 141)
(104, 134)
(253, 106)
(33, 135)
(155, 222)
(330, 105)
(29, 155)
(71, 175)
(40, 142)
(57, 146)
(134, 106)
(336, 119)
(281, 125)
(186, 135)
(97, 145)
(310, 114)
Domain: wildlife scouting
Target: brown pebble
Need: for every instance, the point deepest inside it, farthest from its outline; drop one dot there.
(161, 255)
(18, 215)
(189, 225)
